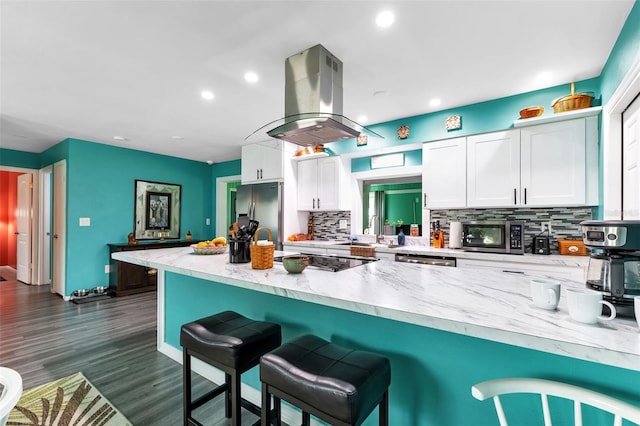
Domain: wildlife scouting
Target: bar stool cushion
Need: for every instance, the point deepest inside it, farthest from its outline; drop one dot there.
(231, 339)
(344, 383)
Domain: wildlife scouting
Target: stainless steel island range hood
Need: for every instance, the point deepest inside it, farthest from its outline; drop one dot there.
(313, 101)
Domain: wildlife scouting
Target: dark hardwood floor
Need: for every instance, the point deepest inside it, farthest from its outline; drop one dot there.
(113, 343)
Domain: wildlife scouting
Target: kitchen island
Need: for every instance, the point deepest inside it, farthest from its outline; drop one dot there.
(444, 329)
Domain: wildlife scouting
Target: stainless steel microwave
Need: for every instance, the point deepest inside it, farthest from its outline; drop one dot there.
(493, 236)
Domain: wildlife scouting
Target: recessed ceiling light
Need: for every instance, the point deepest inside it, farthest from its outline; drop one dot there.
(209, 162)
(178, 138)
(385, 19)
(119, 138)
(362, 119)
(251, 76)
(207, 94)
(435, 102)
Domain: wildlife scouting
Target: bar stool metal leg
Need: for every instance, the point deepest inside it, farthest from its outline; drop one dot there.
(383, 412)
(186, 387)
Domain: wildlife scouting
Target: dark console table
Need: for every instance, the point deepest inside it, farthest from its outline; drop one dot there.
(127, 278)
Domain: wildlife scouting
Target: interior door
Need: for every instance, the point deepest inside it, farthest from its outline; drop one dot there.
(630, 161)
(59, 227)
(23, 221)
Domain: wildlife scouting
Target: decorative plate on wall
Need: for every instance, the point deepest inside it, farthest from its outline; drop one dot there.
(403, 132)
(453, 122)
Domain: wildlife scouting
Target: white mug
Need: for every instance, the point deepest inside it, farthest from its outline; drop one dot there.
(545, 293)
(636, 308)
(586, 306)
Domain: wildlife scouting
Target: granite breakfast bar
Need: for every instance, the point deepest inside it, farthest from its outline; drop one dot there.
(444, 329)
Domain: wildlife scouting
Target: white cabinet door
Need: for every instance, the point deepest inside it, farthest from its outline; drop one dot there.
(307, 184)
(493, 169)
(552, 164)
(262, 162)
(319, 183)
(328, 183)
(444, 166)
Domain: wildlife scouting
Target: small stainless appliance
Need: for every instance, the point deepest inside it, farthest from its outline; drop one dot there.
(541, 245)
(614, 265)
(493, 236)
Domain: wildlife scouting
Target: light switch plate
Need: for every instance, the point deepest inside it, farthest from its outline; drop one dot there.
(85, 221)
(343, 223)
(208, 221)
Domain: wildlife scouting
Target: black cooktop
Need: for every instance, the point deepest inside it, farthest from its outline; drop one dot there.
(333, 263)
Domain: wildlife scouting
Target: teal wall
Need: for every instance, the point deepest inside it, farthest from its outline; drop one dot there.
(431, 371)
(624, 55)
(101, 181)
(100, 186)
(13, 158)
(497, 114)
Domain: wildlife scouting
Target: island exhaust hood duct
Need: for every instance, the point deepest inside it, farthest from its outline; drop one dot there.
(313, 100)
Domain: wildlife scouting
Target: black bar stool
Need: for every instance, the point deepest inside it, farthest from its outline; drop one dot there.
(338, 385)
(231, 343)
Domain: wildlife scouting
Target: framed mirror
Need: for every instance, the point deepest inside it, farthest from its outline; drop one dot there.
(157, 210)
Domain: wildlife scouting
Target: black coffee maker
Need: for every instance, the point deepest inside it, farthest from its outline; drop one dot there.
(614, 266)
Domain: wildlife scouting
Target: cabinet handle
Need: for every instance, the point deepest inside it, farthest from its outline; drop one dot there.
(318, 202)
(257, 173)
(425, 200)
(525, 195)
(260, 173)
(515, 198)
(314, 203)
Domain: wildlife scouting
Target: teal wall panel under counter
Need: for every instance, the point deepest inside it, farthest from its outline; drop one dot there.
(432, 371)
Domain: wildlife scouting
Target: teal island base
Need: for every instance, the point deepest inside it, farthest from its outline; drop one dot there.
(432, 371)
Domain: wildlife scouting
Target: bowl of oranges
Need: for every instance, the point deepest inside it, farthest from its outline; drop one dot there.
(216, 246)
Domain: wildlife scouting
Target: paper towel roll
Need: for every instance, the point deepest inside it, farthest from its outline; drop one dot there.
(455, 235)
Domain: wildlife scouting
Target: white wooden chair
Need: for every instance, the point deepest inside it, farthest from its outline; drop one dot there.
(11, 382)
(495, 388)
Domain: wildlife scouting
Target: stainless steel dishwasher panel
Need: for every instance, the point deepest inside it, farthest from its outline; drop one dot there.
(425, 259)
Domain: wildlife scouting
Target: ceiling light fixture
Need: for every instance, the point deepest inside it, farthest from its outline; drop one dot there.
(178, 138)
(119, 138)
(251, 77)
(362, 119)
(435, 102)
(207, 94)
(385, 19)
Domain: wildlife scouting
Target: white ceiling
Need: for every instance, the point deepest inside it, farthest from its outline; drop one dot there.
(93, 70)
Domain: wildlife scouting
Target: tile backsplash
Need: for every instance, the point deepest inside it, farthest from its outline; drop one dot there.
(565, 221)
(326, 225)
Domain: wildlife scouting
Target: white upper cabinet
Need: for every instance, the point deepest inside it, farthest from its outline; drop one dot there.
(319, 184)
(262, 162)
(493, 169)
(554, 164)
(444, 166)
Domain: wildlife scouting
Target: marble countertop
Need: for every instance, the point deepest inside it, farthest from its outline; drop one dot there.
(553, 259)
(474, 302)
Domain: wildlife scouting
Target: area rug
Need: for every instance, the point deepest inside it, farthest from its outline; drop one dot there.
(72, 400)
